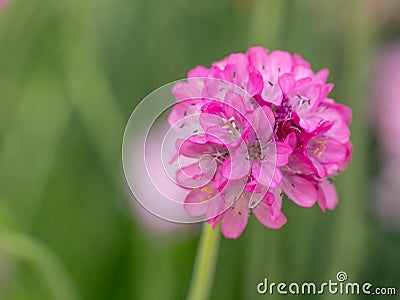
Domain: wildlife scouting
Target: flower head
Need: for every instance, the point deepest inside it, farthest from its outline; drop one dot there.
(259, 125)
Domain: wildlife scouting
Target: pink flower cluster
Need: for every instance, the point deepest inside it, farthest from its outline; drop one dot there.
(276, 132)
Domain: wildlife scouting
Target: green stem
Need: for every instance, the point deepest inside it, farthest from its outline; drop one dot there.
(204, 268)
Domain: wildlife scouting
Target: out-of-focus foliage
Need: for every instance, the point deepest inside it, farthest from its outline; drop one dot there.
(72, 71)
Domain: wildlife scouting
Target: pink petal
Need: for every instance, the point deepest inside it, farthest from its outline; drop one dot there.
(199, 71)
(283, 152)
(255, 84)
(298, 60)
(258, 57)
(232, 191)
(235, 104)
(185, 91)
(327, 195)
(326, 150)
(263, 121)
(237, 165)
(191, 149)
(268, 217)
(194, 206)
(302, 72)
(204, 201)
(310, 123)
(178, 112)
(291, 140)
(280, 62)
(322, 75)
(263, 172)
(287, 83)
(301, 164)
(321, 169)
(340, 131)
(300, 190)
(197, 174)
(345, 112)
(234, 220)
(223, 135)
(276, 180)
(272, 92)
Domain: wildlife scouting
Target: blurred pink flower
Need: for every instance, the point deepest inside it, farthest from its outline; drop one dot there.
(386, 204)
(146, 217)
(385, 105)
(4, 4)
(383, 10)
(384, 112)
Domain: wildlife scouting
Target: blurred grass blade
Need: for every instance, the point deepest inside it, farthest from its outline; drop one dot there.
(42, 258)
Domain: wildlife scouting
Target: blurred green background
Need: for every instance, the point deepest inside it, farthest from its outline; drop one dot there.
(71, 73)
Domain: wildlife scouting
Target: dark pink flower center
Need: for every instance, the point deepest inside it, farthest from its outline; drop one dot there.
(221, 154)
(254, 151)
(284, 111)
